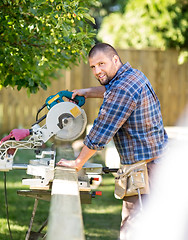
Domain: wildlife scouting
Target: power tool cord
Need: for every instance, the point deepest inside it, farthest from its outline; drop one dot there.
(6, 205)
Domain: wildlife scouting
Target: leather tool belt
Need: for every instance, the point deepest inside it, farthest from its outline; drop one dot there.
(130, 178)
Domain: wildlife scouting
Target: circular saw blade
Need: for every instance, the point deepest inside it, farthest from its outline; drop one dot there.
(66, 120)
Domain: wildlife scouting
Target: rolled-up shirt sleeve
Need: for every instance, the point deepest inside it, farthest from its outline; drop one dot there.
(117, 106)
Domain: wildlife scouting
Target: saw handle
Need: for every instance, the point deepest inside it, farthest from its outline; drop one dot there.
(39, 112)
(57, 98)
(54, 99)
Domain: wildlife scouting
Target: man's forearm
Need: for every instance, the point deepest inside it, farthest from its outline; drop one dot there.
(95, 92)
(92, 92)
(84, 155)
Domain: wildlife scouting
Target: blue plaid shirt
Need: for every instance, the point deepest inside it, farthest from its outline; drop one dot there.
(131, 115)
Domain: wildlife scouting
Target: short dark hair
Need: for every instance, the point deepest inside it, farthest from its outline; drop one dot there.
(103, 47)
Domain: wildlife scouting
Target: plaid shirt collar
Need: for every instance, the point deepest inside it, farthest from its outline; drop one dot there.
(125, 67)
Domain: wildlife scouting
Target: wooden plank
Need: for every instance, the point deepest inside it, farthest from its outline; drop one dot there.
(146, 60)
(161, 83)
(5, 120)
(65, 218)
(85, 196)
(172, 57)
(183, 93)
(85, 84)
(37, 194)
(77, 77)
(67, 80)
(125, 55)
(165, 86)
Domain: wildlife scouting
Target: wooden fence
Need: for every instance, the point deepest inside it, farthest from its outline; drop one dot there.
(169, 80)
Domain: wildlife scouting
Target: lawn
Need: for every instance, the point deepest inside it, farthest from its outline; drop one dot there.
(101, 218)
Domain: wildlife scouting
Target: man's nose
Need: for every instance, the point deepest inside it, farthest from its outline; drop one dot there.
(97, 70)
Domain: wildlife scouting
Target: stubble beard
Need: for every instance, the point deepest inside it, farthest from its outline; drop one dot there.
(104, 82)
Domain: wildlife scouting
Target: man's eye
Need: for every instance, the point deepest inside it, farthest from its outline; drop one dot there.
(101, 63)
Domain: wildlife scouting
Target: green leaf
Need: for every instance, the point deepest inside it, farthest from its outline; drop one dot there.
(88, 17)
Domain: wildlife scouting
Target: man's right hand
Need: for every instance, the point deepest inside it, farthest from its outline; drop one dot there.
(79, 92)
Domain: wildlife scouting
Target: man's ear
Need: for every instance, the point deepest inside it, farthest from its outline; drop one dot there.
(116, 59)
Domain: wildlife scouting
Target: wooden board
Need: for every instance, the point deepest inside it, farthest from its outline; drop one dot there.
(85, 196)
(65, 218)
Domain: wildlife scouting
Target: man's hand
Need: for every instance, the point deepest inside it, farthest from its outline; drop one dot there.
(77, 164)
(79, 92)
(69, 164)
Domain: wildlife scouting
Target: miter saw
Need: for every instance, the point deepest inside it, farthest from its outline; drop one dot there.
(66, 121)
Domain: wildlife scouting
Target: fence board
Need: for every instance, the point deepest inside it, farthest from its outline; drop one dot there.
(169, 80)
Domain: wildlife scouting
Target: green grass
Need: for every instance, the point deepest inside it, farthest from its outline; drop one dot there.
(101, 218)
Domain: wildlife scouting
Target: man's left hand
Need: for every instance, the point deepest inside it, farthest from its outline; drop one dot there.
(69, 164)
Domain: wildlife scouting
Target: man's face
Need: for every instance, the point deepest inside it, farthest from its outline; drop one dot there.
(104, 68)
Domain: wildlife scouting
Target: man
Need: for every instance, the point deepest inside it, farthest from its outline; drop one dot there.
(130, 114)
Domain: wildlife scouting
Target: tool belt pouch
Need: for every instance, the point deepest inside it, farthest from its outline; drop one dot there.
(130, 178)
